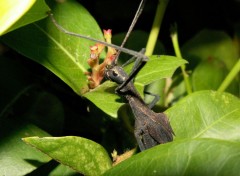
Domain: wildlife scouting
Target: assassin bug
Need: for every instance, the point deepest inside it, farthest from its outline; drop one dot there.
(151, 128)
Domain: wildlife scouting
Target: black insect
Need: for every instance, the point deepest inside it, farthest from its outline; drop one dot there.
(151, 128)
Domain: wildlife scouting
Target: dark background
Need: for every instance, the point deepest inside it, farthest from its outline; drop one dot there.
(191, 16)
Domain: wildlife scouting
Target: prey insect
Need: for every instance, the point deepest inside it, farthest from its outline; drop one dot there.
(151, 128)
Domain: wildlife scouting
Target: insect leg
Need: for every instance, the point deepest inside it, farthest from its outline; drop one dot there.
(138, 131)
(138, 137)
(133, 58)
(135, 19)
(143, 137)
(148, 141)
(125, 50)
(154, 101)
(139, 63)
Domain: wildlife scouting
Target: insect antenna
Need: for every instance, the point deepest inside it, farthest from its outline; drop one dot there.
(135, 19)
(125, 50)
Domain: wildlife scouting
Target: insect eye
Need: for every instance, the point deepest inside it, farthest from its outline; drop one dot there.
(115, 73)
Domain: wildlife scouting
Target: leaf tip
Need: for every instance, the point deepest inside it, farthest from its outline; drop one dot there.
(28, 139)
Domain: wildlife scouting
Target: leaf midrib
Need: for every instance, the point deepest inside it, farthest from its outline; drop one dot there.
(61, 47)
(215, 122)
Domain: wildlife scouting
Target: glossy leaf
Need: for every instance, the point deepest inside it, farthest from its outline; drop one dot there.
(207, 142)
(157, 67)
(17, 158)
(15, 14)
(66, 56)
(11, 11)
(82, 155)
(188, 157)
(207, 114)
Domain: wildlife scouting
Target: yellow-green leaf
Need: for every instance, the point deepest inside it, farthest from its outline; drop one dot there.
(82, 155)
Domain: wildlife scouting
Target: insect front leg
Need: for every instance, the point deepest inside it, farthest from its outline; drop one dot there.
(138, 136)
(143, 137)
(139, 63)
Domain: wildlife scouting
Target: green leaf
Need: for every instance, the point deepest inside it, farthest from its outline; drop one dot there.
(211, 44)
(208, 75)
(44, 110)
(15, 14)
(207, 142)
(188, 157)
(157, 67)
(82, 155)
(17, 158)
(105, 98)
(21, 95)
(11, 11)
(63, 171)
(66, 56)
(206, 114)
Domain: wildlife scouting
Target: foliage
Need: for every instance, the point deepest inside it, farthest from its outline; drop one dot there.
(13, 13)
(34, 102)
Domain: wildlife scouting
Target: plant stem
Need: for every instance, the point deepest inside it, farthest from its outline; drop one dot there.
(174, 37)
(162, 5)
(232, 74)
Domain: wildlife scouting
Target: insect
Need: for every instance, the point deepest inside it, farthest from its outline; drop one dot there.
(151, 128)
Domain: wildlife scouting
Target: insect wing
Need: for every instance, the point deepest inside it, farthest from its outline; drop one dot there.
(159, 128)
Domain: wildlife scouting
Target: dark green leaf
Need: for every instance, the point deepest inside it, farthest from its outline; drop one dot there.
(82, 155)
(210, 44)
(208, 75)
(20, 95)
(66, 56)
(14, 79)
(17, 158)
(63, 171)
(45, 110)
